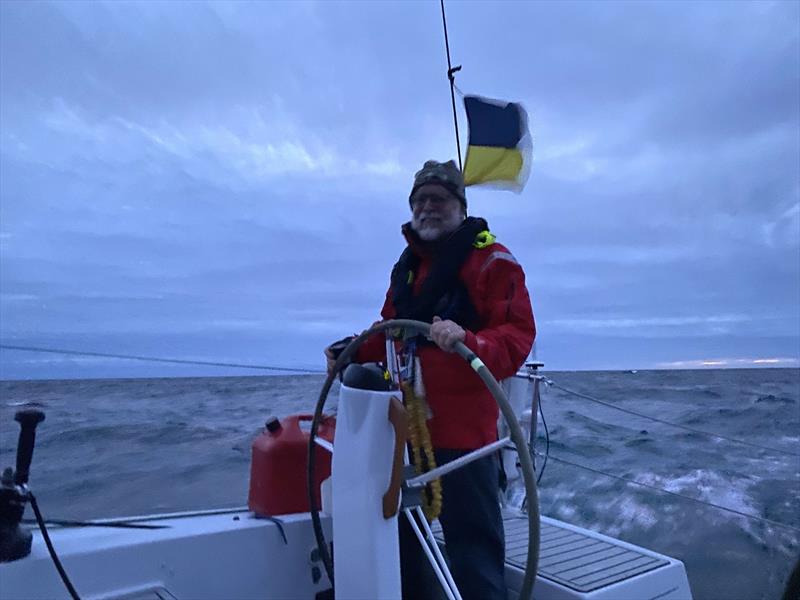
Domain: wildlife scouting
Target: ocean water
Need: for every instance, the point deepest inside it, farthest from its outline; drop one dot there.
(135, 446)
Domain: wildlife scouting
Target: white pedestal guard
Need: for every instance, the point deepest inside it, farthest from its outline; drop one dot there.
(366, 547)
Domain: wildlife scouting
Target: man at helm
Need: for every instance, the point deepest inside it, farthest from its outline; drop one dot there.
(454, 275)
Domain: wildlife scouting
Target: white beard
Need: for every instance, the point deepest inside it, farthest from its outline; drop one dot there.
(434, 229)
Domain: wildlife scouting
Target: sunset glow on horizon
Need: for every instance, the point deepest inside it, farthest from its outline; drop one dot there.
(737, 363)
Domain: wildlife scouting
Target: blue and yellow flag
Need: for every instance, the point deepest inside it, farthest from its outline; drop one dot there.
(499, 149)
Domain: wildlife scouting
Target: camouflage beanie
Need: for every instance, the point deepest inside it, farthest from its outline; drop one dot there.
(448, 175)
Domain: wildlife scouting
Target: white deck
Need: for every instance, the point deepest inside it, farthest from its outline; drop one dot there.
(231, 554)
(578, 563)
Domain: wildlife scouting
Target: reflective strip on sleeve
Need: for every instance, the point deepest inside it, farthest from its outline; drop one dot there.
(498, 256)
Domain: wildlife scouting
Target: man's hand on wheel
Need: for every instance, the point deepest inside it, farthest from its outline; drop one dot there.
(445, 334)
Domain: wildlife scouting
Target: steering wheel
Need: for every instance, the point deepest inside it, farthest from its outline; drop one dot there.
(496, 390)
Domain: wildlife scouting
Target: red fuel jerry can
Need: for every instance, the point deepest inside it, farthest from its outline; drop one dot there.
(278, 479)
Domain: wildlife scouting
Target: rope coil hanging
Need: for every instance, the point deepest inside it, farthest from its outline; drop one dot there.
(422, 450)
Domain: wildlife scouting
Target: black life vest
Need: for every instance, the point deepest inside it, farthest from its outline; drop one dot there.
(442, 294)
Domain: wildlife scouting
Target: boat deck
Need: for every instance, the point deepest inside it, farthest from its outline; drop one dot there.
(572, 557)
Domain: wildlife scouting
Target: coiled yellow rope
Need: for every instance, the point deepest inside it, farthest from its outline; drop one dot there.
(422, 447)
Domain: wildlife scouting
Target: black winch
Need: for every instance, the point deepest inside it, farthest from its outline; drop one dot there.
(15, 542)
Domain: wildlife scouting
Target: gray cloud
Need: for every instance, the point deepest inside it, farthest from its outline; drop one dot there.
(226, 181)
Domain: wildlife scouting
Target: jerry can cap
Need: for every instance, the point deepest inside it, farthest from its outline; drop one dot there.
(273, 424)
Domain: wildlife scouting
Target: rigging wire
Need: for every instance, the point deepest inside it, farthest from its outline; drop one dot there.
(534, 453)
(552, 383)
(451, 75)
(547, 442)
(685, 497)
(110, 524)
(631, 481)
(46, 536)
(161, 360)
(547, 381)
(545, 456)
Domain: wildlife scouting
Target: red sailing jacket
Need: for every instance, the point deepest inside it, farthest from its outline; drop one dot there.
(464, 412)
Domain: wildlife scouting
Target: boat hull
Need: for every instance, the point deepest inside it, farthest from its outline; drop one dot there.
(226, 554)
(215, 555)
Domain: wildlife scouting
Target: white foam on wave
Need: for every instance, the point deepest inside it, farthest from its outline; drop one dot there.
(629, 512)
(708, 486)
(778, 466)
(729, 493)
(561, 502)
(566, 512)
(600, 508)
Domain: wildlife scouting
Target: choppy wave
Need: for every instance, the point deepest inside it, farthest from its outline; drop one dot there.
(122, 447)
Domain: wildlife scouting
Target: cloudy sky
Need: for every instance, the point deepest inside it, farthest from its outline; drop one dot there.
(226, 182)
